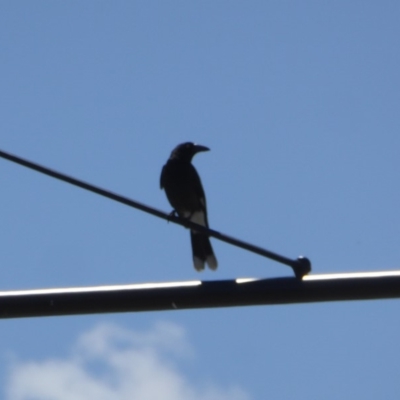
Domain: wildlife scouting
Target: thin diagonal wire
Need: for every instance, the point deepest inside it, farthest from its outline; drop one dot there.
(299, 266)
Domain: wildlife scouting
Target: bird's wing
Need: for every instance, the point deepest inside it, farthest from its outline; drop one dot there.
(197, 187)
(200, 195)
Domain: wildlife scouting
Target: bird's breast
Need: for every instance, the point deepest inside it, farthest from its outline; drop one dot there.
(182, 187)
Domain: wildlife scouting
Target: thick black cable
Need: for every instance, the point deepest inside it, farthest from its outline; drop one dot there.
(301, 266)
(198, 294)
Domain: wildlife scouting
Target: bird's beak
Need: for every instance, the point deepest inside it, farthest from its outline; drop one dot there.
(198, 148)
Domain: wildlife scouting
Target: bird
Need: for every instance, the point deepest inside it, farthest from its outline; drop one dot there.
(185, 193)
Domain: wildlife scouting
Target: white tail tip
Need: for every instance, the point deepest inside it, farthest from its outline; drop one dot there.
(198, 264)
(212, 262)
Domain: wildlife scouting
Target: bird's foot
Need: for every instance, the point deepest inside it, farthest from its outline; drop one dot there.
(172, 214)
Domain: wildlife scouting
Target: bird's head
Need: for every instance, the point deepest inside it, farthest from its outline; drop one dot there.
(186, 151)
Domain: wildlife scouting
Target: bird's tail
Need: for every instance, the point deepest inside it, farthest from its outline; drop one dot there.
(202, 252)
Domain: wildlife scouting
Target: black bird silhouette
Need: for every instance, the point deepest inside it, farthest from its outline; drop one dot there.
(185, 193)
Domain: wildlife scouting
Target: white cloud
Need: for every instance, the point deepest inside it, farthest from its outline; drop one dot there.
(110, 362)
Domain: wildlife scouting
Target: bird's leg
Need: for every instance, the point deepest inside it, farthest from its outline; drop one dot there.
(184, 218)
(172, 214)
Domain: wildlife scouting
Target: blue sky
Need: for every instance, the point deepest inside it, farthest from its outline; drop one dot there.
(299, 103)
